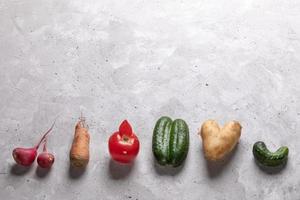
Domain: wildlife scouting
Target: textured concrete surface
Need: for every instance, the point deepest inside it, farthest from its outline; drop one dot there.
(197, 59)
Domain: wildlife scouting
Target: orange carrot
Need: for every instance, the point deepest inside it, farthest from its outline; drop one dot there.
(79, 154)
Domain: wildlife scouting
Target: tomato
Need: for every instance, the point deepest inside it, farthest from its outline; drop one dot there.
(124, 145)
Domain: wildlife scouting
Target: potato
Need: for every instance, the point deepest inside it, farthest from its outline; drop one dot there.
(219, 141)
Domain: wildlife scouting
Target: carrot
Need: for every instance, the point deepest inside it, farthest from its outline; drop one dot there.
(79, 154)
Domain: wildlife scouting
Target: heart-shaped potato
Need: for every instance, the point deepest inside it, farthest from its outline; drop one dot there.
(219, 141)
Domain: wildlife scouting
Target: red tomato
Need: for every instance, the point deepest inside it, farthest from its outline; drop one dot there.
(124, 145)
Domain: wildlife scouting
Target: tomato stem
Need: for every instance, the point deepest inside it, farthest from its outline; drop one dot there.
(125, 138)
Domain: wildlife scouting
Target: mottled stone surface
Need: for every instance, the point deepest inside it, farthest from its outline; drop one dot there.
(197, 59)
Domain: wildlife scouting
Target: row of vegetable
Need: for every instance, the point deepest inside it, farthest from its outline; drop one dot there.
(170, 145)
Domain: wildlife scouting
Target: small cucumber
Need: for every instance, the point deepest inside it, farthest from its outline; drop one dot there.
(267, 158)
(170, 141)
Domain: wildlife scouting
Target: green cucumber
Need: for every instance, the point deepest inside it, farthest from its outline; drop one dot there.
(267, 158)
(170, 141)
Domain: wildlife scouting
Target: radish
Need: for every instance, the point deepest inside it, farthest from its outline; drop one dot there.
(45, 159)
(26, 156)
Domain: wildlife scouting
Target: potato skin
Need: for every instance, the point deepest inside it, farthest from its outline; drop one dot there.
(79, 153)
(217, 141)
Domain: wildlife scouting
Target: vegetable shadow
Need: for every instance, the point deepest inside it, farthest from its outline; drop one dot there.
(119, 170)
(42, 172)
(167, 170)
(270, 170)
(215, 168)
(19, 170)
(76, 172)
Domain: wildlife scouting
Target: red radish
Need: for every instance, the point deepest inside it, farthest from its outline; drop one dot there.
(26, 156)
(45, 159)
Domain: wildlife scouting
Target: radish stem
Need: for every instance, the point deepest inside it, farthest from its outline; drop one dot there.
(45, 135)
(45, 143)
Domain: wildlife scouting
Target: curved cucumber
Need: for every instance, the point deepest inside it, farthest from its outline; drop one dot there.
(267, 158)
(170, 141)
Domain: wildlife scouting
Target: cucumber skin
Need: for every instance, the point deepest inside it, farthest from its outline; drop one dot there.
(267, 158)
(161, 140)
(170, 141)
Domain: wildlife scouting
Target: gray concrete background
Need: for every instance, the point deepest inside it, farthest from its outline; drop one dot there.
(197, 59)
